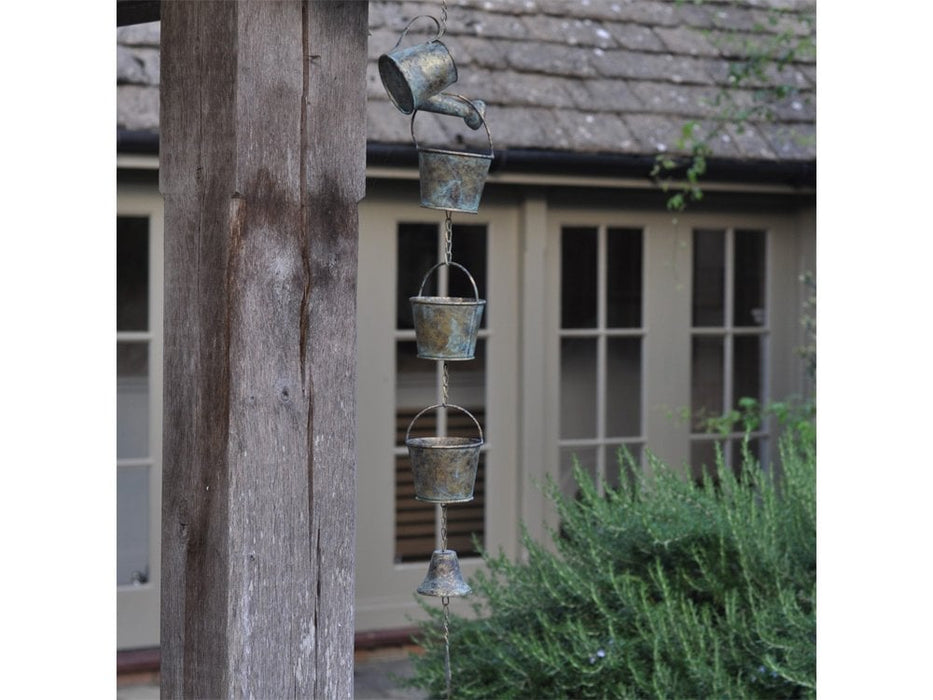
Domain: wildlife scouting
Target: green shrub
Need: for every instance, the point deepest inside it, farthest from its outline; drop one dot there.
(659, 588)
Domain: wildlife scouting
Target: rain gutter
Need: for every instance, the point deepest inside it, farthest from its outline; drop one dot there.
(515, 164)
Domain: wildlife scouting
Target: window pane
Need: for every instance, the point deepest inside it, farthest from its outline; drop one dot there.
(623, 387)
(706, 378)
(467, 388)
(417, 253)
(587, 459)
(749, 278)
(132, 400)
(415, 521)
(623, 303)
(708, 277)
(578, 278)
(746, 370)
(469, 249)
(466, 520)
(415, 380)
(132, 273)
(132, 525)
(577, 387)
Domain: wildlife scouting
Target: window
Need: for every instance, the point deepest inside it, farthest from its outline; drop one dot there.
(728, 338)
(419, 384)
(139, 416)
(133, 400)
(601, 334)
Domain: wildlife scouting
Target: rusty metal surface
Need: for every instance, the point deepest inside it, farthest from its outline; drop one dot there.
(452, 180)
(444, 468)
(412, 75)
(446, 327)
(443, 578)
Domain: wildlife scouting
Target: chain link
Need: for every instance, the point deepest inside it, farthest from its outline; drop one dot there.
(448, 238)
(445, 601)
(443, 526)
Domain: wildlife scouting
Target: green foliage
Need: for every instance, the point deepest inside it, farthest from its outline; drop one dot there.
(759, 79)
(659, 588)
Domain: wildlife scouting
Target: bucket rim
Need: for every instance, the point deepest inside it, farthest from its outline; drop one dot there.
(447, 152)
(426, 442)
(447, 301)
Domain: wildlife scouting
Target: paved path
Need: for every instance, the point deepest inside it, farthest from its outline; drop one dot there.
(372, 680)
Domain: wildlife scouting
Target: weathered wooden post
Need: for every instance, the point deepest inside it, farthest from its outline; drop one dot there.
(262, 167)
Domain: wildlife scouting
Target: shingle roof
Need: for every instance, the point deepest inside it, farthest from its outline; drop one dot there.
(579, 76)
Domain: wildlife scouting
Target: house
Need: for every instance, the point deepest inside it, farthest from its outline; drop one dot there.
(611, 321)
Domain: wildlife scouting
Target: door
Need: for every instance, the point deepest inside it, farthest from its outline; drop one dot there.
(396, 534)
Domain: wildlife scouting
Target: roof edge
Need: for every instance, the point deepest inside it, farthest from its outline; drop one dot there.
(795, 173)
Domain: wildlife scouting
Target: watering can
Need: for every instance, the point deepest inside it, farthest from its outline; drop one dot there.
(415, 76)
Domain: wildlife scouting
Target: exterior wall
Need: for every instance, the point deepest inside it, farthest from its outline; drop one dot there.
(523, 221)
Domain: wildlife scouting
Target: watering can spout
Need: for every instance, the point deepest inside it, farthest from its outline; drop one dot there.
(473, 112)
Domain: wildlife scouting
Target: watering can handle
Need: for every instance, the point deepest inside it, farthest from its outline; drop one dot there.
(444, 262)
(440, 31)
(444, 405)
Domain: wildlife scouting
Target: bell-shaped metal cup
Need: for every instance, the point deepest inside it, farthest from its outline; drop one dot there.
(413, 75)
(443, 578)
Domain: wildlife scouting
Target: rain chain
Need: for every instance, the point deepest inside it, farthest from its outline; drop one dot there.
(443, 468)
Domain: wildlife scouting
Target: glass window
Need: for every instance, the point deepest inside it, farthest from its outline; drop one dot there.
(729, 337)
(601, 340)
(134, 400)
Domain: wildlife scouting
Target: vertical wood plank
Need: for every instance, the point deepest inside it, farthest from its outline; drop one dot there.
(263, 149)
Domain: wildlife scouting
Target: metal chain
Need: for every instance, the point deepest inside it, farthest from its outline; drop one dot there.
(443, 19)
(445, 384)
(446, 603)
(443, 526)
(448, 238)
(445, 600)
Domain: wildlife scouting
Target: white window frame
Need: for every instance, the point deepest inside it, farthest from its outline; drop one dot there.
(138, 605)
(728, 331)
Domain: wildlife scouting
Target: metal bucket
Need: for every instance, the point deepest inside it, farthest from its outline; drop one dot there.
(413, 75)
(446, 327)
(444, 468)
(453, 180)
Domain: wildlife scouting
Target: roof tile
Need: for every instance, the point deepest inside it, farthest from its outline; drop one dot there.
(616, 76)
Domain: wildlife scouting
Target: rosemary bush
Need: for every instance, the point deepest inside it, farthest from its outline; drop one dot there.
(659, 588)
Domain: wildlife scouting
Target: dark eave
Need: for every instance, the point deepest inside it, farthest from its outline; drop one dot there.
(797, 174)
(138, 11)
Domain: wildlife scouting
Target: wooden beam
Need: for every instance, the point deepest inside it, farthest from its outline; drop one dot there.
(262, 168)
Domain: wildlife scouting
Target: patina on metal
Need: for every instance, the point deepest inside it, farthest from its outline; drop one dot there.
(412, 75)
(444, 468)
(453, 180)
(446, 327)
(443, 578)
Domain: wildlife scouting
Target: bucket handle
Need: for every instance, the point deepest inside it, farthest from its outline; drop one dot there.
(440, 30)
(445, 262)
(470, 121)
(444, 405)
